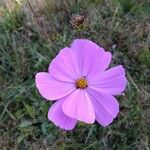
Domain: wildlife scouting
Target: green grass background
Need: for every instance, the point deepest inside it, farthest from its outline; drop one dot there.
(31, 34)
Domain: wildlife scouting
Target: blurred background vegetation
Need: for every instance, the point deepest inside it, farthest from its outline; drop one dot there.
(31, 34)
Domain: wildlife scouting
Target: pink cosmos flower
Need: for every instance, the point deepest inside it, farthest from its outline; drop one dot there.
(77, 78)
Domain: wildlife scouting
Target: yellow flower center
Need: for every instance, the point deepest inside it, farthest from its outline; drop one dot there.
(81, 83)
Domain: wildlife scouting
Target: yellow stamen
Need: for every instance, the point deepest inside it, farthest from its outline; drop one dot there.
(81, 83)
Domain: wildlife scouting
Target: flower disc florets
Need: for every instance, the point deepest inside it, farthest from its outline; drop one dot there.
(82, 83)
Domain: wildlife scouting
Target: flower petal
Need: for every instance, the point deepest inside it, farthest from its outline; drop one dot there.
(112, 81)
(64, 67)
(50, 88)
(91, 58)
(100, 65)
(77, 105)
(105, 106)
(79, 44)
(56, 115)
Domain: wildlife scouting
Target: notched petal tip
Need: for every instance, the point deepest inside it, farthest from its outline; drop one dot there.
(109, 54)
(80, 40)
(112, 81)
(40, 81)
(61, 126)
(56, 115)
(106, 107)
(121, 68)
(111, 120)
(51, 88)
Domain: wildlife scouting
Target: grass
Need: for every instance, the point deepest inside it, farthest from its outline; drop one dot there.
(29, 42)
